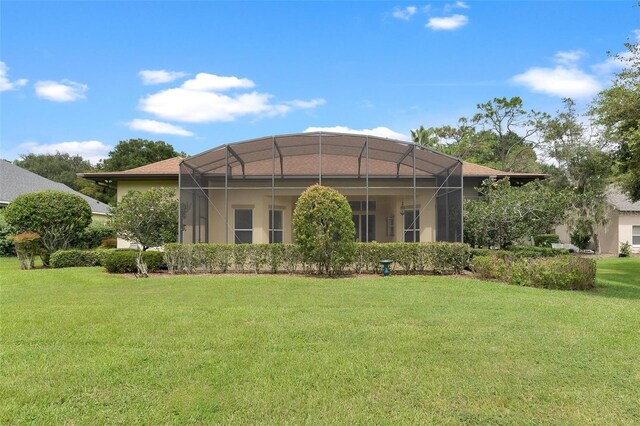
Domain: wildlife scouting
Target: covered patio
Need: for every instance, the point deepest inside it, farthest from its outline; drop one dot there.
(245, 192)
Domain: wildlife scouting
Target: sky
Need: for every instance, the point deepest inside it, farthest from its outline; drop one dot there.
(78, 77)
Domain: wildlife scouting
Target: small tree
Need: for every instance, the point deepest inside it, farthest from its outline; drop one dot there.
(58, 217)
(149, 219)
(323, 227)
(508, 213)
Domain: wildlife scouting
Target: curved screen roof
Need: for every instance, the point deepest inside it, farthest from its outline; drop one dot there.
(328, 154)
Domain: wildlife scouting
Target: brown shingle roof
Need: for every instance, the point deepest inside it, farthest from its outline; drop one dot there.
(168, 168)
(473, 170)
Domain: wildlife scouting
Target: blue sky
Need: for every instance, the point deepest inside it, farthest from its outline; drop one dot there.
(80, 76)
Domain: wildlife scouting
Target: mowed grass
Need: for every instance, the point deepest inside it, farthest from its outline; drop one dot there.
(80, 346)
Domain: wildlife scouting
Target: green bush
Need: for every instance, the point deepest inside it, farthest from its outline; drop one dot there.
(560, 272)
(58, 217)
(520, 252)
(6, 246)
(532, 251)
(93, 236)
(74, 258)
(28, 245)
(545, 240)
(489, 267)
(324, 229)
(580, 240)
(124, 261)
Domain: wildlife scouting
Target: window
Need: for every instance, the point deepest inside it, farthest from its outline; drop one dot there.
(276, 228)
(411, 229)
(243, 226)
(365, 230)
(635, 236)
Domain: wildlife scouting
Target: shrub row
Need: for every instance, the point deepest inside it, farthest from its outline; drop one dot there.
(191, 258)
(115, 261)
(520, 252)
(561, 272)
(439, 258)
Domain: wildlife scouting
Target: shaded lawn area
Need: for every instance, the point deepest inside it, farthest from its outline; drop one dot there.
(80, 346)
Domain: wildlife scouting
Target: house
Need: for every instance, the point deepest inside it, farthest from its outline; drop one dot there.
(623, 225)
(15, 181)
(245, 192)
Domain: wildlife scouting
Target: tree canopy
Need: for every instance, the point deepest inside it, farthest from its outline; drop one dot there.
(137, 152)
(63, 168)
(617, 110)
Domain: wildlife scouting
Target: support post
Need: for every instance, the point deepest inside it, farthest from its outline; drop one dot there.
(273, 188)
(366, 225)
(226, 195)
(320, 159)
(415, 217)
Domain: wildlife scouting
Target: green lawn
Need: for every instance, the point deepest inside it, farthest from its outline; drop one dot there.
(83, 347)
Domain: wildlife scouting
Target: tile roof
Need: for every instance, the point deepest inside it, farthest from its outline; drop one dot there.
(621, 202)
(15, 181)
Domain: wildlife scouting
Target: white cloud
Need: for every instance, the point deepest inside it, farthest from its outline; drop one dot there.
(92, 150)
(636, 34)
(447, 23)
(150, 77)
(457, 5)
(5, 83)
(216, 83)
(462, 5)
(404, 13)
(198, 101)
(313, 103)
(383, 132)
(612, 64)
(64, 91)
(158, 127)
(569, 57)
(559, 81)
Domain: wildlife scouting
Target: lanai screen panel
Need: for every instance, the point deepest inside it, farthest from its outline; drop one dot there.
(310, 157)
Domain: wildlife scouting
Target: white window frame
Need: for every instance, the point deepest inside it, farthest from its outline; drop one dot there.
(635, 232)
(236, 229)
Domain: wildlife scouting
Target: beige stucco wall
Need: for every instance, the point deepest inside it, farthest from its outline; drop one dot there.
(125, 186)
(626, 222)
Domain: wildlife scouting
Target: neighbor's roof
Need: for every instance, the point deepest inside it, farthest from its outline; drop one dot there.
(621, 202)
(15, 181)
(476, 170)
(166, 168)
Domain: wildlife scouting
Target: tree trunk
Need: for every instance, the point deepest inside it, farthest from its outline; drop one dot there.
(142, 267)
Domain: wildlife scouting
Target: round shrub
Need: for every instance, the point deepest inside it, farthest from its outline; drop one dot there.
(57, 216)
(324, 229)
(74, 258)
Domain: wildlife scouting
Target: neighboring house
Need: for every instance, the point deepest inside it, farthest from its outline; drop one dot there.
(245, 192)
(624, 223)
(15, 181)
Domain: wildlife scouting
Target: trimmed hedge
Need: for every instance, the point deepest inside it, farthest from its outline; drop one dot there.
(438, 258)
(520, 252)
(124, 261)
(561, 272)
(75, 258)
(545, 240)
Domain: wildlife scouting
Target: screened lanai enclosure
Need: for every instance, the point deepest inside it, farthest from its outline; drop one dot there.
(245, 192)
